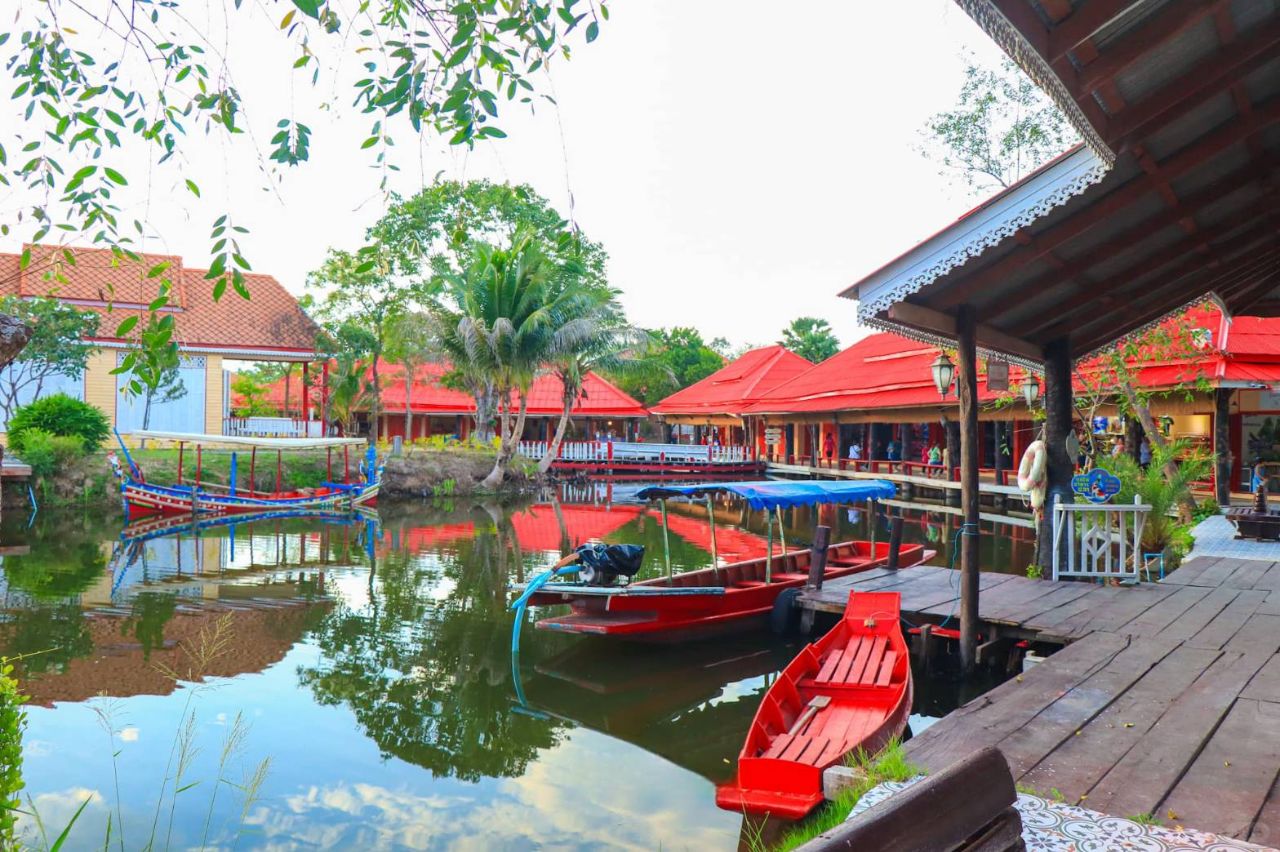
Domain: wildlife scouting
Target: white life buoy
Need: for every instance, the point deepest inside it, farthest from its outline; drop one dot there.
(1031, 473)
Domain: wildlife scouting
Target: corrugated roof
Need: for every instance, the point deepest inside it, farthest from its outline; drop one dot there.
(737, 385)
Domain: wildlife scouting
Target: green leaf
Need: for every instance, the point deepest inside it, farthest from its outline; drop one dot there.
(127, 326)
(195, 190)
(62, 838)
(158, 269)
(310, 8)
(593, 30)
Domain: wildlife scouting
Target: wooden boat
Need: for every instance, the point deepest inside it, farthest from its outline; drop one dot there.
(850, 690)
(202, 498)
(720, 598)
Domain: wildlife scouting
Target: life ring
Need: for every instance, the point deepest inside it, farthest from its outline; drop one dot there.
(1031, 473)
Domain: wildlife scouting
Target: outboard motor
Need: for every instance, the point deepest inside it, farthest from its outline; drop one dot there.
(603, 564)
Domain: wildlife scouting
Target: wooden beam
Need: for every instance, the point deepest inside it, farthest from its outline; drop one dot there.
(970, 285)
(1024, 18)
(1174, 18)
(967, 394)
(928, 319)
(1086, 20)
(1207, 78)
(1060, 466)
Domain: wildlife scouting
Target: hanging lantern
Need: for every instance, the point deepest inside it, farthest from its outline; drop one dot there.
(1030, 389)
(944, 372)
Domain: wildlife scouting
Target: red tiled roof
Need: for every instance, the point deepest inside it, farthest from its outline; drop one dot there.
(738, 385)
(117, 288)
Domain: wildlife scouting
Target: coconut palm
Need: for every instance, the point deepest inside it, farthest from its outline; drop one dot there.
(1162, 485)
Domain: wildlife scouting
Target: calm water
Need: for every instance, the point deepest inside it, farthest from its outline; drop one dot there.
(369, 663)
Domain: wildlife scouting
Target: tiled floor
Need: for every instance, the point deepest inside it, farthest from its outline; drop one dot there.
(1217, 537)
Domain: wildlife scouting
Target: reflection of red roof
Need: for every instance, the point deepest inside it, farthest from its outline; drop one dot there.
(536, 527)
(599, 398)
(732, 544)
(737, 385)
(269, 320)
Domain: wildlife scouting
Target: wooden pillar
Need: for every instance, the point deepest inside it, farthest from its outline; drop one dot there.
(998, 441)
(1057, 427)
(953, 445)
(1132, 436)
(967, 391)
(1222, 445)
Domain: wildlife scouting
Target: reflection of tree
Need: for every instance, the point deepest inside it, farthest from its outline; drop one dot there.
(57, 567)
(53, 635)
(151, 611)
(424, 664)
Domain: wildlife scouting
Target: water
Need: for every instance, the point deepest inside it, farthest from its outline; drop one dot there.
(370, 664)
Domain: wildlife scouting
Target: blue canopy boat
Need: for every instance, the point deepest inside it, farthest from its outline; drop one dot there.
(719, 598)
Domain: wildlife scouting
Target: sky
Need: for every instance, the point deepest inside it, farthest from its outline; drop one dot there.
(740, 165)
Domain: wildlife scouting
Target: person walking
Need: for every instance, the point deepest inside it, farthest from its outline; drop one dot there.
(829, 448)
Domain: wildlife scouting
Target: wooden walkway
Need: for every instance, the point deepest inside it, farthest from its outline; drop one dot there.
(1166, 701)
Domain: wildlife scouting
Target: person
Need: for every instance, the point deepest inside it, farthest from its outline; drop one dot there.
(935, 455)
(1117, 448)
(829, 448)
(1144, 454)
(855, 451)
(891, 452)
(924, 453)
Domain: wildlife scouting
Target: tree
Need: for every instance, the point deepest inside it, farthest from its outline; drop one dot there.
(1002, 128)
(411, 345)
(91, 81)
(253, 396)
(348, 392)
(152, 366)
(168, 388)
(56, 348)
(811, 339)
(672, 359)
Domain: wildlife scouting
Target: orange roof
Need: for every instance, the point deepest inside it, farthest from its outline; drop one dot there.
(738, 385)
(117, 288)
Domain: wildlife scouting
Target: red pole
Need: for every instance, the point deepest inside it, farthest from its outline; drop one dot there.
(253, 461)
(180, 446)
(279, 470)
(346, 465)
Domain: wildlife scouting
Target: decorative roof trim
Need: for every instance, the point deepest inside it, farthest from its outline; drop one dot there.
(1211, 297)
(940, 341)
(1011, 40)
(1016, 208)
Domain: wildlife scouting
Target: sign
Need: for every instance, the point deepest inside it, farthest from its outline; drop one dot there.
(1096, 486)
(773, 435)
(997, 375)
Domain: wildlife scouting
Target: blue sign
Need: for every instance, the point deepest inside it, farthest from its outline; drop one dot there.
(1100, 425)
(1096, 486)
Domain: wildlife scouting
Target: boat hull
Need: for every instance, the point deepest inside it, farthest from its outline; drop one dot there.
(860, 675)
(145, 499)
(735, 598)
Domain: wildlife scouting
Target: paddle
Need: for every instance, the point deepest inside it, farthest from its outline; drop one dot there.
(815, 704)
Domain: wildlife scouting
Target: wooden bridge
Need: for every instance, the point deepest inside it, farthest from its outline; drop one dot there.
(1165, 701)
(639, 458)
(912, 478)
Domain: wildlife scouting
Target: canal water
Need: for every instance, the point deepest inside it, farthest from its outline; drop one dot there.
(309, 684)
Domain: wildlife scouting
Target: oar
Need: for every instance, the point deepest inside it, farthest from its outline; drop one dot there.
(815, 704)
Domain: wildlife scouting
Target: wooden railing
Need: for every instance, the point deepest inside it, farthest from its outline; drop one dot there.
(636, 451)
(907, 468)
(272, 427)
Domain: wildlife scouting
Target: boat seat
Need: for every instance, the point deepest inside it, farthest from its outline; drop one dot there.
(866, 661)
(788, 576)
(749, 584)
(848, 561)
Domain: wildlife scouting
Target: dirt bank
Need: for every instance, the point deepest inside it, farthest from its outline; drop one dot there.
(428, 472)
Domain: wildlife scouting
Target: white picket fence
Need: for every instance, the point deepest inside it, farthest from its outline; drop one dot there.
(272, 427)
(1098, 541)
(636, 451)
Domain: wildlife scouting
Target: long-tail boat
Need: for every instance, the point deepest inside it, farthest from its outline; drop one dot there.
(719, 598)
(849, 691)
(197, 497)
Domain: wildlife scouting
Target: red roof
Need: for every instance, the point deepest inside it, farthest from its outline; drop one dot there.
(536, 527)
(599, 397)
(738, 385)
(98, 280)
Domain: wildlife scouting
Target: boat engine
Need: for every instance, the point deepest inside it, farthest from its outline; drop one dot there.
(605, 564)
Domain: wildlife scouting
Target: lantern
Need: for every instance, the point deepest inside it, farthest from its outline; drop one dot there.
(944, 372)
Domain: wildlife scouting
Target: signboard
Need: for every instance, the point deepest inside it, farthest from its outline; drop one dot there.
(997, 375)
(1096, 486)
(773, 435)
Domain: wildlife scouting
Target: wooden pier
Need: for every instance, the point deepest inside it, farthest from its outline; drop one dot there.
(1164, 702)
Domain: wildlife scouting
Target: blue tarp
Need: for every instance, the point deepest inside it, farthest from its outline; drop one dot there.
(770, 494)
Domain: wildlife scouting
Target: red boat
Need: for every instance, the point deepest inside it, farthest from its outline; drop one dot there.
(715, 599)
(850, 690)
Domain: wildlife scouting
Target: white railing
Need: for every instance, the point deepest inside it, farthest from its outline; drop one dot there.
(637, 451)
(1098, 540)
(272, 427)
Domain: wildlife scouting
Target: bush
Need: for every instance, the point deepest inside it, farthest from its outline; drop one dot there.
(47, 454)
(1207, 508)
(59, 414)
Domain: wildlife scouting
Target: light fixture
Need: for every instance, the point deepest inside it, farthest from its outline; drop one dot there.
(1030, 389)
(943, 373)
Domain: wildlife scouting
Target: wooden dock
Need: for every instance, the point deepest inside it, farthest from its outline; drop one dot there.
(1164, 702)
(906, 475)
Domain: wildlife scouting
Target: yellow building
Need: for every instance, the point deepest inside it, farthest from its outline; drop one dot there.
(269, 326)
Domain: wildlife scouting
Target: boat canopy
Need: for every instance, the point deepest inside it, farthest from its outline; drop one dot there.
(241, 441)
(770, 494)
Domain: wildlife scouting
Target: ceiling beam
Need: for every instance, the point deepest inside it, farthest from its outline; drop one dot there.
(927, 319)
(970, 284)
(1086, 20)
(1024, 18)
(1176, 17)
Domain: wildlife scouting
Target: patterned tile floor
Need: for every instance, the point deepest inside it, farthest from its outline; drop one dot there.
(1217, 537)
(1056, 827)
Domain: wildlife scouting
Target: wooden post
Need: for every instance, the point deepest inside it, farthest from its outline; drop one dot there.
(768, 561)
(279, 469)
(1222, 445)
(181, 447)
(895, 538)
(666, 541)
(199, 461)
(253, 466)
(998, 430)
(1057, 427)
(967, 391)
(818, 557)
(711, 519)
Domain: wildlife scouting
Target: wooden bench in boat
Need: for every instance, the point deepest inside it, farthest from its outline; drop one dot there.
(967, 807)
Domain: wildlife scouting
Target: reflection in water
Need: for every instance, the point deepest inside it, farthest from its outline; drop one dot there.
(372, 661)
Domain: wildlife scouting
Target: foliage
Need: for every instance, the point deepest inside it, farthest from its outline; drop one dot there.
(1002, 128)
(253, 396)
(674, 359)
(411, 345)
(810, 338)
(152, 365)
(56, 348)
(13, 721)
(59, 414)
(58, 570)
(891, 764)
(1162, 532)
(1206, 508)
(1035, 571)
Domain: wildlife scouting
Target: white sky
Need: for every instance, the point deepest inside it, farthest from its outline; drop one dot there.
(740, 165)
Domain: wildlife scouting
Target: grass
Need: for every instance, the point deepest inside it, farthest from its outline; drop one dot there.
(891, 764)
(1146, 819)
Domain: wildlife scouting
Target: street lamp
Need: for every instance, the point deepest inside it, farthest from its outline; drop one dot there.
(943, 373)
(1030, 389)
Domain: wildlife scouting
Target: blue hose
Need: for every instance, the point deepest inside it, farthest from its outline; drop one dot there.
(522, 603)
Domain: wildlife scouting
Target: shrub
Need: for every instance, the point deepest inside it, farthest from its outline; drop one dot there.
(59, 414)
(1207, 508)
(47, 453)
(12, 722)
(1162, 532)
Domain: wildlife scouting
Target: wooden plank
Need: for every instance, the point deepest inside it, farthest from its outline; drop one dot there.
(1136, 602)
(1249, 572)
(1190, 570)
(1143, 777)
(1272, 604)
(1078, 764)
(1270, 580)
(1014, 597)
(1198, 617)
(1072, 710)
(1265, 685)
(1066, 593)
(988, 718)
(1216, 574)
(1229, 781)
(1219, 631)
(1159, 617)
(1047, 622)
(1266, 825)
(1260, 634)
